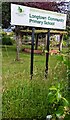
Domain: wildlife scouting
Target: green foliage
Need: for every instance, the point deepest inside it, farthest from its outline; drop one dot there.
(56, 102)
(64, 43)
(3, 33)
(26, 37)
(11, 34)
(65, 37)
(65, 59)
(46, 51)
(6, 40)
(53, 41)
(25, 98)
(6, 14)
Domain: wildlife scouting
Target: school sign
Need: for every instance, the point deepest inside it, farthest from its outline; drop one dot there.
(28, 16)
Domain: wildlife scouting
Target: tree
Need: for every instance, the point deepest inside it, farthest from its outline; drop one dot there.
(68, 16)
(6, 16)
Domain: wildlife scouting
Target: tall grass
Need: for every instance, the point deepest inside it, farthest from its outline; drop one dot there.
(25, 98)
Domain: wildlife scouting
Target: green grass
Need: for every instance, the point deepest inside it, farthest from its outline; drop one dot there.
(25, 98)
(0, 82)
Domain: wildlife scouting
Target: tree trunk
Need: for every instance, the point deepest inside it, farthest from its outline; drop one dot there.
(17, 46)
(20, 41)
(60, 43)
(17, 43)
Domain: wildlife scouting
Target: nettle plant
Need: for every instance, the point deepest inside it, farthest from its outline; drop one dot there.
(57, 104)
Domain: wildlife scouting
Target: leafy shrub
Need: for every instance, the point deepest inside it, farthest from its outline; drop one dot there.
(6, 40)
(66, 37)
(3, 33)
(57, 104)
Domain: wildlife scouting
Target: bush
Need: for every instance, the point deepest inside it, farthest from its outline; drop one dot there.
(57, 104)
(3, 33)
(66, 37)
(6, 40)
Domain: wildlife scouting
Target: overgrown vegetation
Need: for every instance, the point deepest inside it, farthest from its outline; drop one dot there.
(6, 40)
(57, 104)
(25, 98)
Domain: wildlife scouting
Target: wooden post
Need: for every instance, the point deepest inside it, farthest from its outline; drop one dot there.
(60, 43)
(17, 43)
(32, 52)
(47, 53)
(36, 44)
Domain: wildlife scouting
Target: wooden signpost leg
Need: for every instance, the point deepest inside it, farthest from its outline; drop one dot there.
(32, 52)
(47, 53)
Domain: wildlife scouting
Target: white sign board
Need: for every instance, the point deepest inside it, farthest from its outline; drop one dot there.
(27, 16)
